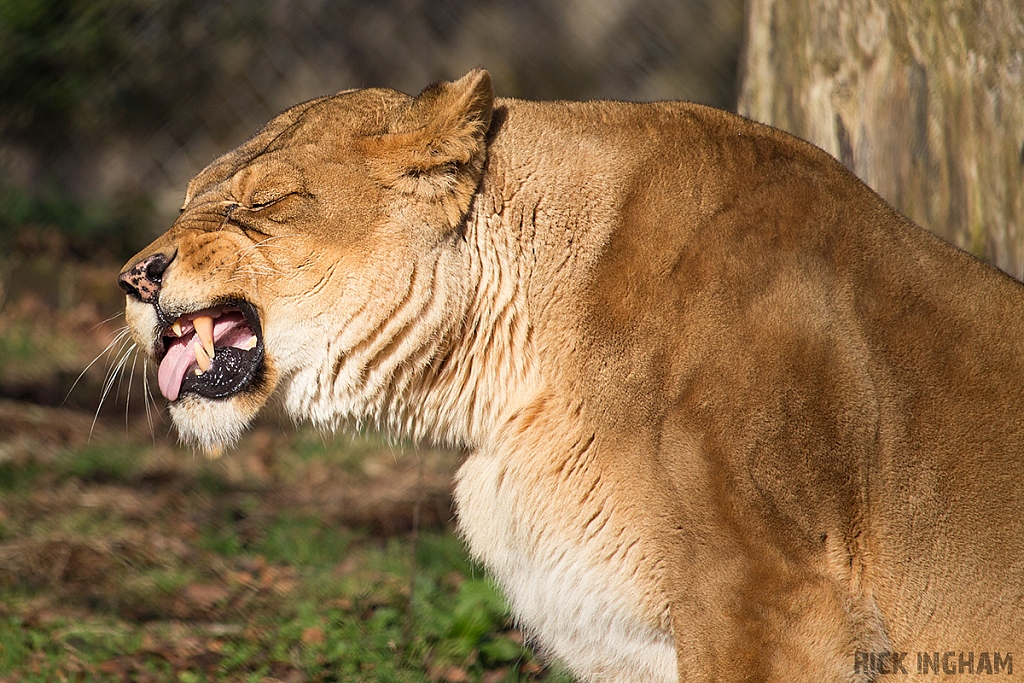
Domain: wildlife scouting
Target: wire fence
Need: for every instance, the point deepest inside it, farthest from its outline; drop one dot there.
(118, 102)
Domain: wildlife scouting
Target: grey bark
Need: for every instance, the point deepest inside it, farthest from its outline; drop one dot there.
(922, 99)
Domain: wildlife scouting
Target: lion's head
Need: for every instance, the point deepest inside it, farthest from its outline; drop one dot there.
(313, 262)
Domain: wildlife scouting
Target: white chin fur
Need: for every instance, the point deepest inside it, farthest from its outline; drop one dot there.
(209, 424)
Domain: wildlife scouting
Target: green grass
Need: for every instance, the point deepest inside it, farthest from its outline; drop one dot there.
(108, 463)
(303, 541)
(114, 573)
(17, 477)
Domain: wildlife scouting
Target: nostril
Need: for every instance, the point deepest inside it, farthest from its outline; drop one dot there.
(143, 280)
(155, 267)
(124, 283)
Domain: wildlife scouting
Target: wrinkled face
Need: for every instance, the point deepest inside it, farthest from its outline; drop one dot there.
(292, 251)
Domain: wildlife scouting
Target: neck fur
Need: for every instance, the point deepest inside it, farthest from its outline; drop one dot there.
(487, 367)
(452, 356)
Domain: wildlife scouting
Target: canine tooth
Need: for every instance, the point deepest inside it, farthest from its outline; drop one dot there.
(176, 327)
(250, 343)
(204, 330)
(201, 358)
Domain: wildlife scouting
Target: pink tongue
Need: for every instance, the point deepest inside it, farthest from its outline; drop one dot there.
(174, 366)
(229, 329)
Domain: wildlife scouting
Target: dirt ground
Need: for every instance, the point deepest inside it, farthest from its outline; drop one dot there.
(124, 557)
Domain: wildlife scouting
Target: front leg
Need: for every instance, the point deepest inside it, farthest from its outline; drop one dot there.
(770, 621)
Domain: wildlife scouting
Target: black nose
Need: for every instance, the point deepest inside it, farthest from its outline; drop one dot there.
(143, 279)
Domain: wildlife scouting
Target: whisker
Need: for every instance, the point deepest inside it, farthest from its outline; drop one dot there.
(111, 369)
(263, 244)
(265, 247)
(254, 271)
(146, 396)
(243, 277)
(268, 266)
(128, 396)
(118, 337)
(251, 274)
(120, 379)
(251, 270)
(104, 322)
(113, 372)
(112, 376)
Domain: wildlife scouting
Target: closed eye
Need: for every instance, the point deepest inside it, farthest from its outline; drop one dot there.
(238, 219)
(261, 202)
(256, 206)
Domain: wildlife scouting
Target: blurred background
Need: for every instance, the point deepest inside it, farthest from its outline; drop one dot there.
(308, 557)
(123, 557)
(108, 107)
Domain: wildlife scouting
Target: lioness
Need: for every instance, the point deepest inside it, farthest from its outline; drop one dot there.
(729, 415)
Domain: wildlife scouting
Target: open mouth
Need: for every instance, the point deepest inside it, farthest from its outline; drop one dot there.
(215, 352)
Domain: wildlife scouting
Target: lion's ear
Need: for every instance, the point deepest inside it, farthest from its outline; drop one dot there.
(435, 149)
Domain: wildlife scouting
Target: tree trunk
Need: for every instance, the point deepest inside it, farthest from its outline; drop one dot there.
(922, 99)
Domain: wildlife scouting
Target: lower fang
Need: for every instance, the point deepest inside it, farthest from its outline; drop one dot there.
(197, 372)
(202, 359)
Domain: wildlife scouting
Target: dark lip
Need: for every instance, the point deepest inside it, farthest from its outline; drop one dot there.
(253, 358)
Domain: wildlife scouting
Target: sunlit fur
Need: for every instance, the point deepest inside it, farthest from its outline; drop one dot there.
(727, 415)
